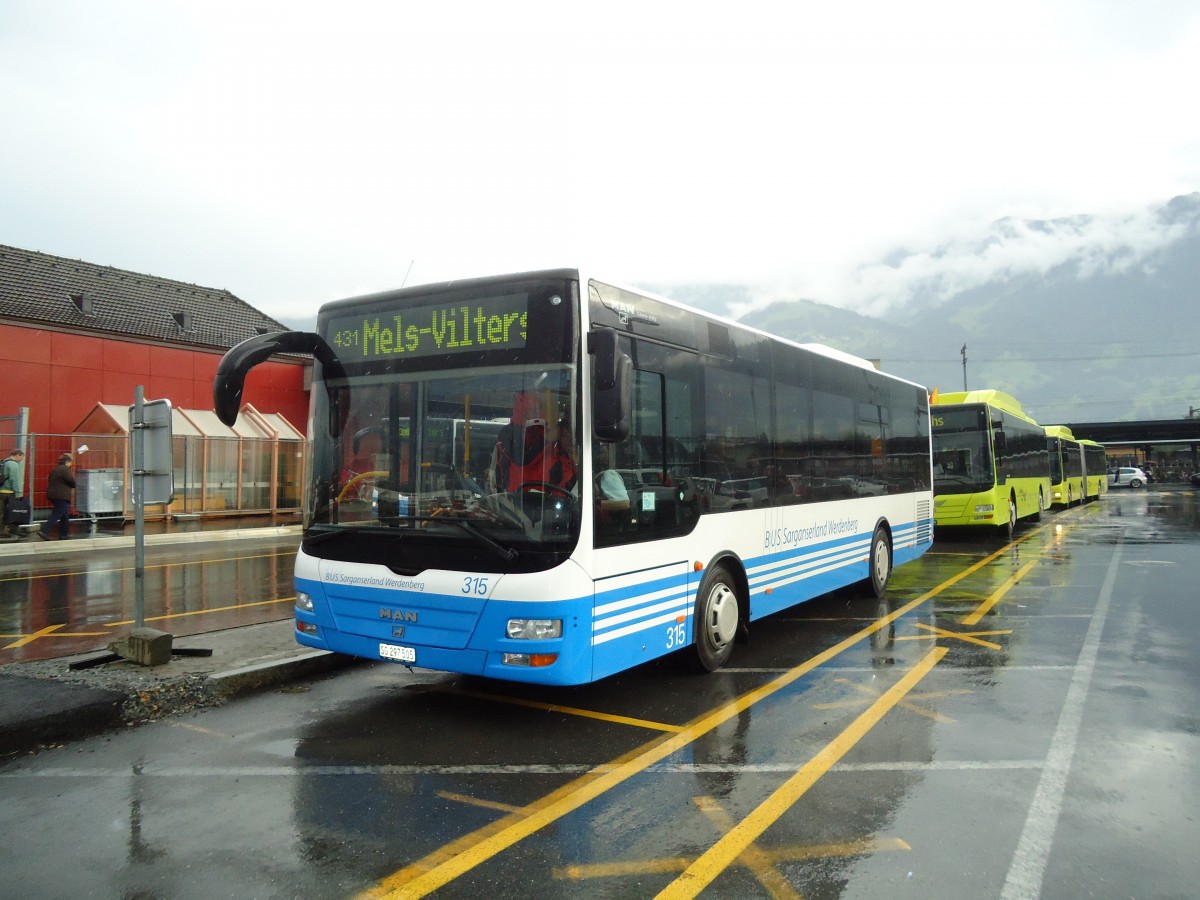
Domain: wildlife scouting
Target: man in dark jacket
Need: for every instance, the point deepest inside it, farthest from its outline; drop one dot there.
(60, 489)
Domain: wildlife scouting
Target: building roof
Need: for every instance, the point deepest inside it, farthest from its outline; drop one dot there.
(52, 290)
(109, 418)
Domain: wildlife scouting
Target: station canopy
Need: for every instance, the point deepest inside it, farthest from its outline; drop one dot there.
(109, 418)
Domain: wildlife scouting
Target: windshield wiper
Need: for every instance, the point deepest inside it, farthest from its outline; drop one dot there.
(323, 536)
(507, 553)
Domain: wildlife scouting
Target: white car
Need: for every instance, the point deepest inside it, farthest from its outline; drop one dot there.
(1127, 476)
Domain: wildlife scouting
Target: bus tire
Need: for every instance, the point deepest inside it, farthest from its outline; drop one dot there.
(1009, 528)
(717, 618)
(879, 563)
(1037, 516)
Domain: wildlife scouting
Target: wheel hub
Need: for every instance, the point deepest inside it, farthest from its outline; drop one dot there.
(723, 616)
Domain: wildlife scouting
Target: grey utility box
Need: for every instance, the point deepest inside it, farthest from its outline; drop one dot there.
(99, 492)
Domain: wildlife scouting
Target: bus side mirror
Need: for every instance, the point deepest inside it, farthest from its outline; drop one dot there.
(613, 375)
(237, 362)
(1000, 443)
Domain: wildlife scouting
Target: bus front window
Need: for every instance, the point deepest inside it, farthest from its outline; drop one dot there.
(962, 463)
(455, 453)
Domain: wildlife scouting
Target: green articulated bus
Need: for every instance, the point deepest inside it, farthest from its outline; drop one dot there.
(1066, 466)
(1095, 470)
(990, 461)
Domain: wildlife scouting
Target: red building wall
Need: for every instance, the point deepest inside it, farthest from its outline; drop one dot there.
(61, 377)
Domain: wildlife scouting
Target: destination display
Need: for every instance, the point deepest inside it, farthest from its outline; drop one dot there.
(967, 418)
(489, 323)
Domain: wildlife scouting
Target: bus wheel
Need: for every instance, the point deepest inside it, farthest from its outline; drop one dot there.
(1010, 527)
(1037, 516)
(880, 563)
(717, 616)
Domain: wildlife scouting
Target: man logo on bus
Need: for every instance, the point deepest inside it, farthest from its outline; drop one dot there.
(406, 615)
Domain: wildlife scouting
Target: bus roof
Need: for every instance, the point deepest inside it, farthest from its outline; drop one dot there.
(1059, 431)
(1006, 402)
(579, 274)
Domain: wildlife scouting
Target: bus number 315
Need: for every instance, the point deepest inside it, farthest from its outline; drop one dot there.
(676, 636)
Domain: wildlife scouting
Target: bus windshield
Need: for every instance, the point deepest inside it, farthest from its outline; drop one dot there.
(962, 450)
(474, 444)
(492, 449)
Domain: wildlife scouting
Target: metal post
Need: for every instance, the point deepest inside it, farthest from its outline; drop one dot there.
(139, 510)
(963, 351)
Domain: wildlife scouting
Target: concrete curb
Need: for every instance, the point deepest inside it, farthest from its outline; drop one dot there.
(51, 715)
(36, 546)
(258, 676)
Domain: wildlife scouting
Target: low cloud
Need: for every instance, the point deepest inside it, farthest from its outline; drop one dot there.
(1001, 251)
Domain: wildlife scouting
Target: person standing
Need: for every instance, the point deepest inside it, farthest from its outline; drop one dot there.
(12, 483)
(60, 490)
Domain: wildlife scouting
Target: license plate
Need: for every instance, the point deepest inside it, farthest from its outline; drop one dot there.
(400, 654)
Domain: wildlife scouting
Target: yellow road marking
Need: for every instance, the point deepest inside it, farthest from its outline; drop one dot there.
(717, 858)
(870, 693)
(201, 612)
(672, 864)
(182, 562)
(475, 801)
(30, 638)
(62, 634)
(997, 594)
(845, 848)
(971, 637)
(570, 710)
(458, 857)
(52, 630)
(759, 864)
(666, 866)
(465, 853)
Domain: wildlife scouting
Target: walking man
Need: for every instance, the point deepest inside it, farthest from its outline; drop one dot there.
(60, 490)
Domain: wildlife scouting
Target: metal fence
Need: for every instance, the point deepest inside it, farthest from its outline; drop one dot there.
(213, 475)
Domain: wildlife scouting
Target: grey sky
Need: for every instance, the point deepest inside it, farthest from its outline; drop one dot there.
(296, 153)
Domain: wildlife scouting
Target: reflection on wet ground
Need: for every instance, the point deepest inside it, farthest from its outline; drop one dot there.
(1001, 725)
(65, 605)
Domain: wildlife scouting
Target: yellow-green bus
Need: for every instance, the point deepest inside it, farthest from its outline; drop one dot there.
(1095, 470)
(990, 461)
(1066, 466)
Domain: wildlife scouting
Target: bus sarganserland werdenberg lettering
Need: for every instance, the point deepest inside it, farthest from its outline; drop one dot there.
(990, 463)
(546, 478)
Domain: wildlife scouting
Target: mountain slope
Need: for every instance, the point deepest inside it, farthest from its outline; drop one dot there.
(1108, 332)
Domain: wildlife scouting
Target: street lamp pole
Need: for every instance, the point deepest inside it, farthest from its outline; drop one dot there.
(963, 351)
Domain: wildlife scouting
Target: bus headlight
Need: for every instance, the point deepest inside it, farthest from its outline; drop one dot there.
(534, 629)
(303, 602)
(989, 507)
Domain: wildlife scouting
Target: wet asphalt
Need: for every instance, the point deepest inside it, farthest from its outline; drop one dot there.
(1014, 720)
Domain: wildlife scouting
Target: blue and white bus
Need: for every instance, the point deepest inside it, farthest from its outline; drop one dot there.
(569, 478)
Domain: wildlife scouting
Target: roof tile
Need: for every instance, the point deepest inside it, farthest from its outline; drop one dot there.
(37, 287)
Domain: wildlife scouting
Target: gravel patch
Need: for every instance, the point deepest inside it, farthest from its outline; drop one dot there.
(150, 692)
